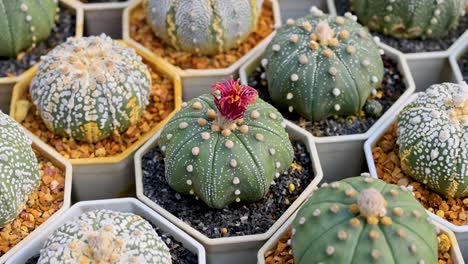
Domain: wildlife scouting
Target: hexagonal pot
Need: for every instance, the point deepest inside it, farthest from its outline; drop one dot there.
(271, 243)
(104, 18)
(461, 232)
(345, 150)
(198, 82)
(7, 83)
(107, 177)
(427, 67)
(58, 161)
(460, 48)
(128, 205)
(236, 249)
(299, 8)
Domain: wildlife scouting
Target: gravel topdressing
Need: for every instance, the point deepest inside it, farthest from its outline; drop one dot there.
(463, 62)
(64, 28)
(235, 219)
(392, 88)
(414, 45)
(179, 254)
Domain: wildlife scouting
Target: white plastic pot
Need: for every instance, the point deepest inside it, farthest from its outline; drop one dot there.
(460, 48)
(461, 232)
(299, 8)
(338, 152)
(104, 18)
(271, 243)
(128, 205)
(64, 165)
(7, 83)
(198, 82)
(240, 249)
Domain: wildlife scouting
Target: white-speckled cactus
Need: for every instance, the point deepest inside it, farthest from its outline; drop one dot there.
(203, 26)
(225, 149)
(105, 236)
(409, 18)
(433, 139)
(322, 65)
(19, 171)
(23, 23)
(89, 88)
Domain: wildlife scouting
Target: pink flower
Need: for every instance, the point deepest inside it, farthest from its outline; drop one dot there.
(232, 98)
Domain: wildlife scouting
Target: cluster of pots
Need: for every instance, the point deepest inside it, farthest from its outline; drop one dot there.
(97, 183)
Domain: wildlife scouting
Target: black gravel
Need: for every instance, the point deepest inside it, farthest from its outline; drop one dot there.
(414, 45)
(392, 88)
(64, 28)
(179, 254)
(102, 1)
(463, 62)
(235, 219)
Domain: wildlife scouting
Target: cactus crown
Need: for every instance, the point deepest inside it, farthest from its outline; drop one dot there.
(89, 88)
(432, 137)
(409, 18)
(322, 65)
(223, 148)
(19, 172)
(366, 220)
(105, 236)
(24, 23)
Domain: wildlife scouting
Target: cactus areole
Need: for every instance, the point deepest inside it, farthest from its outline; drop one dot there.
(363, 220)
(24, 24)
(89, 88)
(203, 27)
(433, 139)
(409, 18)
(19, 172)
(225, 147)
(105, 236)
(322, 65)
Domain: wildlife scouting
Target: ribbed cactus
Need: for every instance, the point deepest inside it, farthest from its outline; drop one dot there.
(322, 65)
(409, 18)
(433, 138)
(89, 88)
(363, 220)
(225, 149)
(24, 23)
(203, 26)
(19, 171)
(105, 236)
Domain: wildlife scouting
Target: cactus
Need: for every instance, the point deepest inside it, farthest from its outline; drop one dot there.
(203, 27)
(19, 172)
(409, 18)
(432, 134)
(105, 236)
(225, 149)
(322, 65)
(363, 220)
(89, 88)
(25, 22)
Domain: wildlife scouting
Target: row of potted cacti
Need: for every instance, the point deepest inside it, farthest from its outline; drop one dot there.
(220, 148)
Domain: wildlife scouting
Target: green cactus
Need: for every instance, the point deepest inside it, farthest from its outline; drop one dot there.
(433, 139)
(25, 22)
(105, 236)
(89, 88)
(409, 18)
(363, 220)
(19, 171)
(223, 149)
(203, 27)
(322, 65)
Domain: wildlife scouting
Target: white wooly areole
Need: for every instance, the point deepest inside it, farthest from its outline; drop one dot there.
(345, 150)
(197, 82)
(461, 232)
(427, 67)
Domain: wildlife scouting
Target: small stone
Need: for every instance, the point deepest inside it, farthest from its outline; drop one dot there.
(291, 187)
